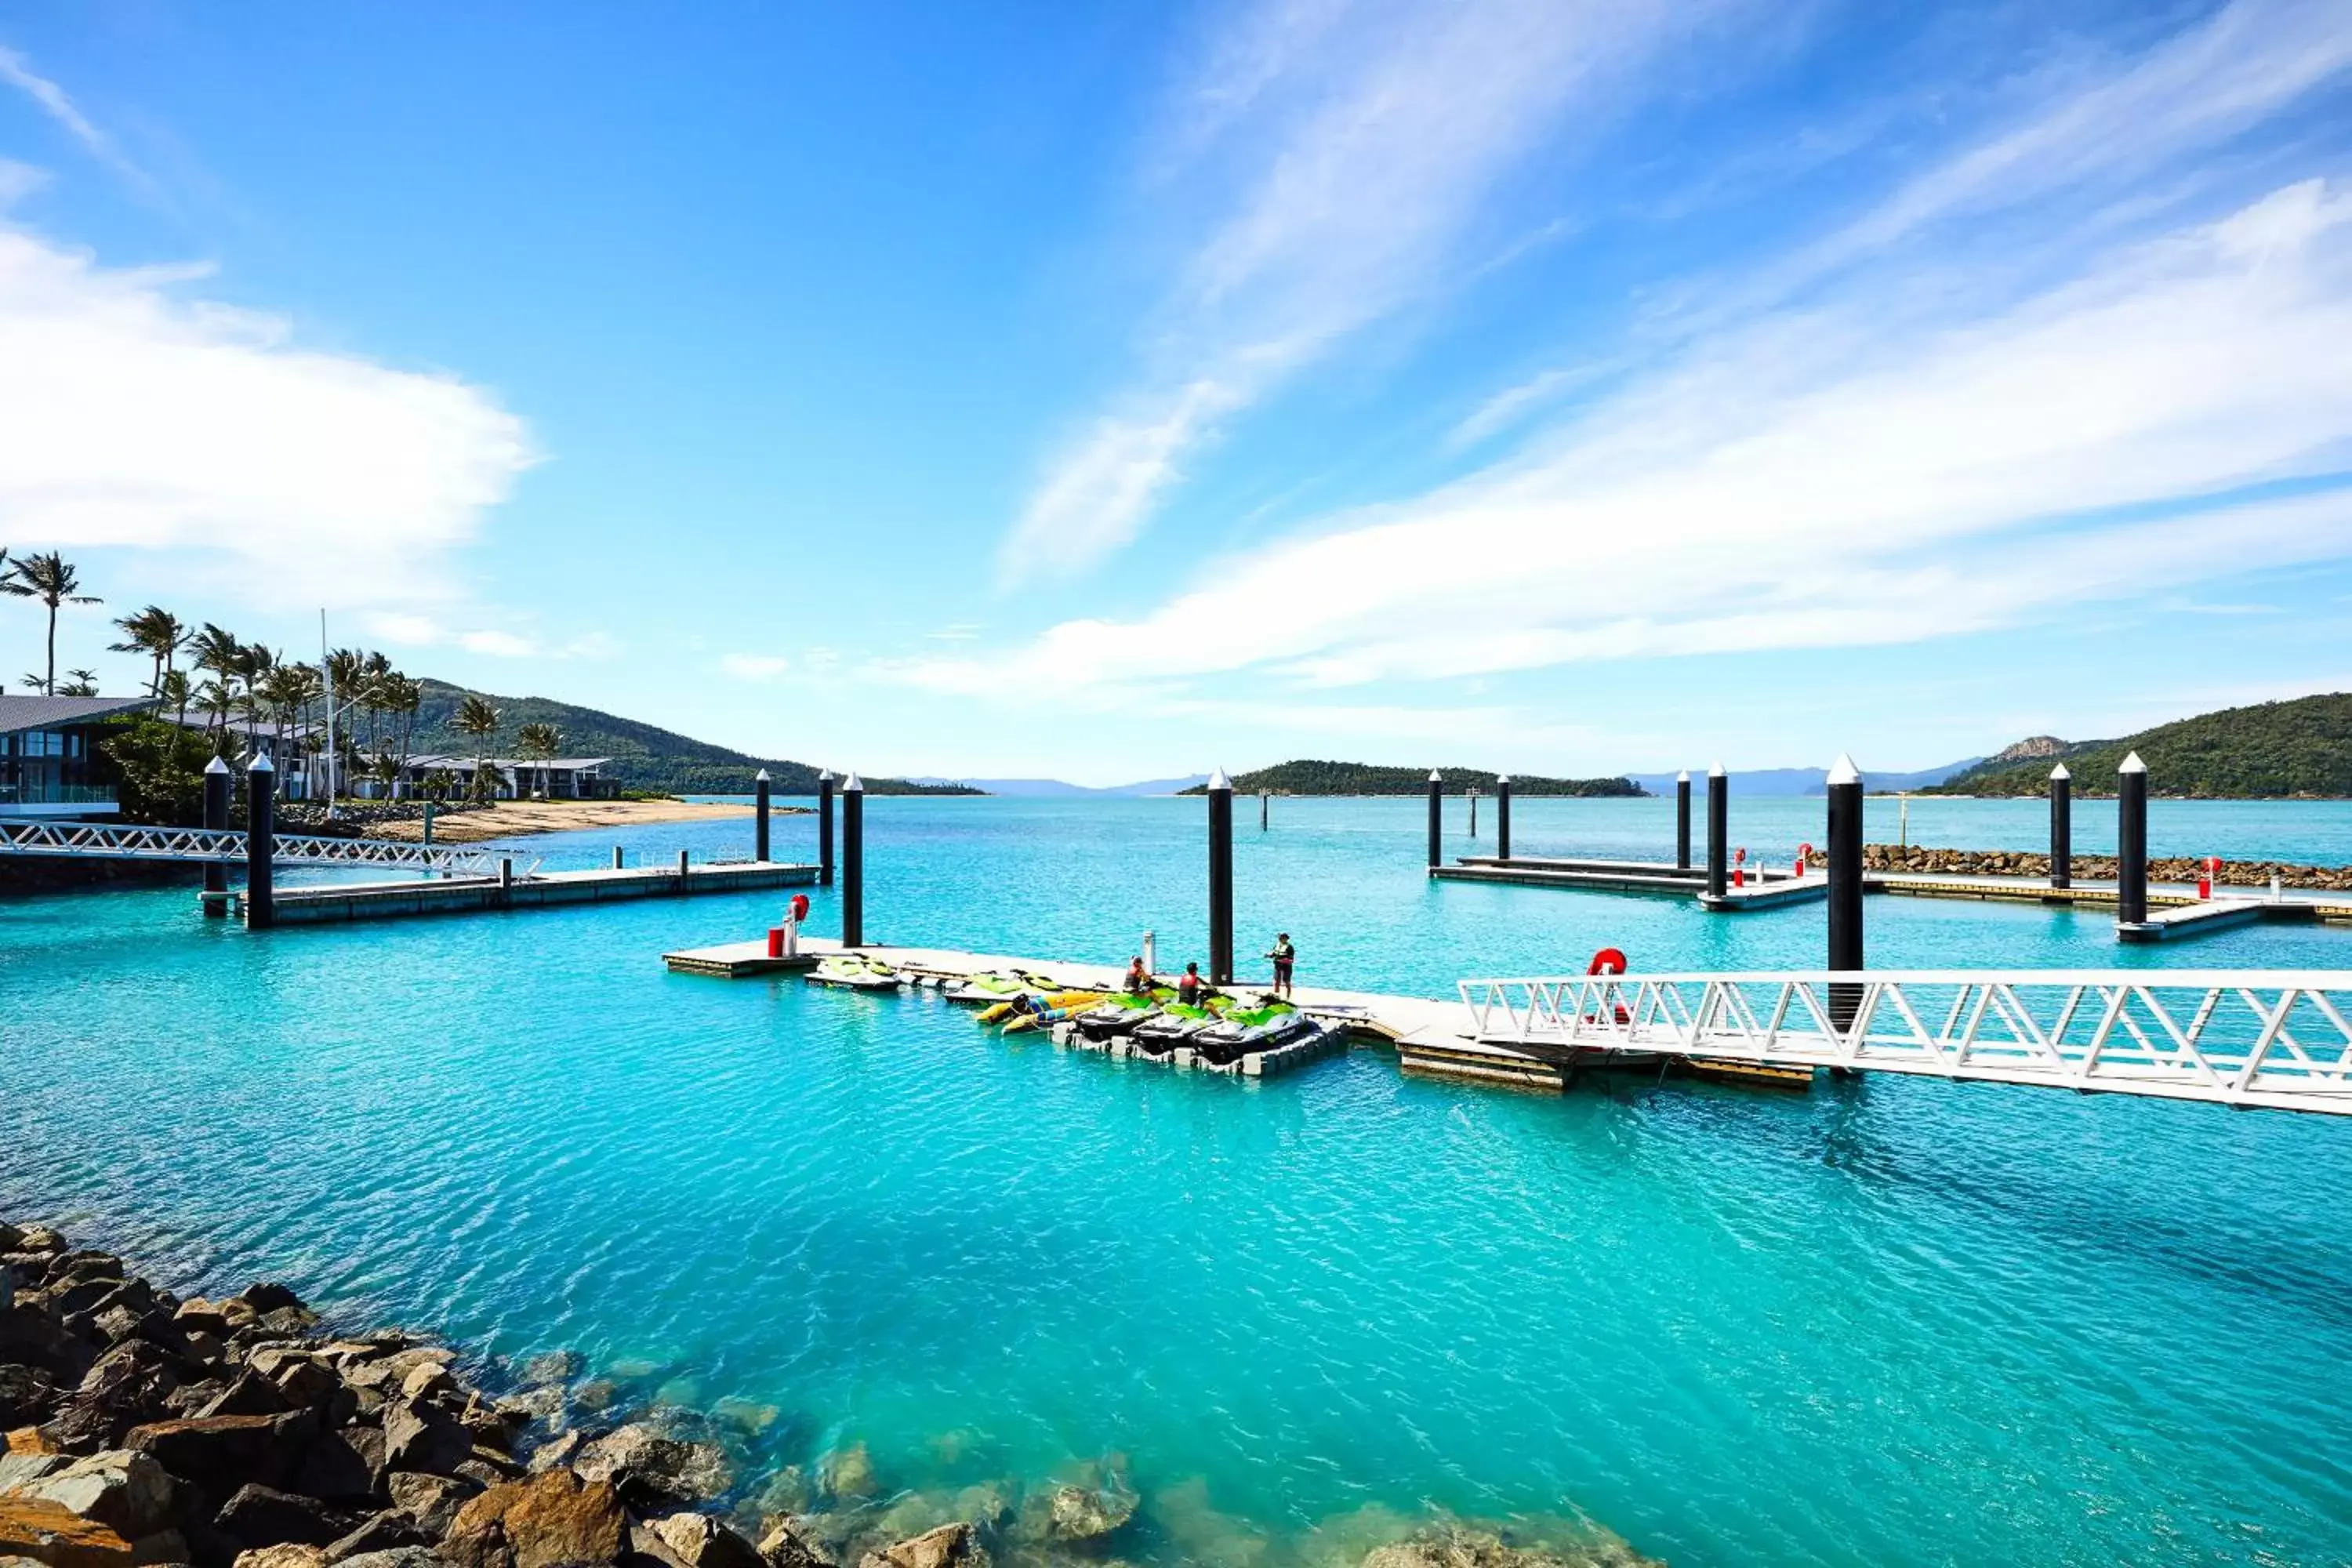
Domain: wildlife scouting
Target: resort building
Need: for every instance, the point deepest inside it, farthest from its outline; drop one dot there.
(298, 751)
(517, 778)
(48, 763)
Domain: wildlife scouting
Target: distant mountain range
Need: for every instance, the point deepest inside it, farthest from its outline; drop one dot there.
(2299, 749)
(1367, 778)
(643, 756)
(1808, 781)
(1055, 788)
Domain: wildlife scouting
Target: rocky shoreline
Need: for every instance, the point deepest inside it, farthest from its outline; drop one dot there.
(2093, 867)
(141, 1429)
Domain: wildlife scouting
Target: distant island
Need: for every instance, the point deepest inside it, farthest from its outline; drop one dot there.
(644, 757)
(1366, 778)
(2272, 751)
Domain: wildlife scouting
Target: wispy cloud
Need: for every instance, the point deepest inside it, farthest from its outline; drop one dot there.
(1828, 478)
(409, 630)
(59, 105)
(1375, 133)
(140, 416)
(754, 666)
(18, 181)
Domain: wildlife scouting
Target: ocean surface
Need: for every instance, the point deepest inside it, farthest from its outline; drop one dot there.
(1889, 1322)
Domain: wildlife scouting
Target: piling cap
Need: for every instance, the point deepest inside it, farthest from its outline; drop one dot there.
(2132, 765)
(760, 777)
(259, 763)
(1218, 780)
(853, 784)
(1502, 779)
(217, 766)
(1715, 771)
(1844, 773)
(2060, 775)
(1436, 777)
(1683, 777)
(824, 776)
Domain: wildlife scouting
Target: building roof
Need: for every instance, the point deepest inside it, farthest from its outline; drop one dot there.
(248, 727)
(49, 713)
(466, 764)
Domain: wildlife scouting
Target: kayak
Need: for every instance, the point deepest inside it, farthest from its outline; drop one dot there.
(854, 972)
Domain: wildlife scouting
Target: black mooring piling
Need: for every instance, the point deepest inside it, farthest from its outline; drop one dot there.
(853, 862)
(260, 841)
(2062, 828)
(1436, 820)
(760, 828)
(2131, 842)
(1682, 820)
(217, 787)
(1221, 880)
(1844, 835)
(824, 828)
(1502, 817)
(1718, 832)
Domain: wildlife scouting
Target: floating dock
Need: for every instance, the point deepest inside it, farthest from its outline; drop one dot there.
(473, 895)
(1431, 1038)
(2175, 909)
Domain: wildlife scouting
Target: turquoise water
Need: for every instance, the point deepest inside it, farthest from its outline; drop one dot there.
(1889, 1322)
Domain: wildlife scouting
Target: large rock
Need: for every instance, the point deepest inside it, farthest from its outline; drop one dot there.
(289, 1555)
(548, 1520)
(432, 1501)
(1088, 1513)
(700, 1541)
(264, 1516)
(28, 1395)
(222, 1453)
(949, 1546)
(127, 1492)
(848, 1473)
(654, 1472)
(784, 1547)
(386, 1532)
(30, 1337)
(124, 1388)
(1455, 1545)
(47, 1532)
(419, 1436)
(344, 1467)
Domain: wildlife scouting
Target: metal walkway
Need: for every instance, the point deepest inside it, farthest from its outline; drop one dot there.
(111, 841)
(2275, 1039)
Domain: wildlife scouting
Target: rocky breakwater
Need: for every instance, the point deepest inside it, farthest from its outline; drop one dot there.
(141, 1429)
(2093, 867)
(228, 1434)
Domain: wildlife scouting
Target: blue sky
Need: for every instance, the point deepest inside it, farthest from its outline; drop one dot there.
(1117, 391)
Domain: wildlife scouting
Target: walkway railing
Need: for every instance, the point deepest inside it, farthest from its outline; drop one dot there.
(109, 841)
(2277, 1038)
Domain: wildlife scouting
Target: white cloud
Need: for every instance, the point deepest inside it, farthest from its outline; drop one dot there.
(410, 630)
(1373, 135)
(1823, 480)
(759, 667)
(137, 417)
(18, 181)
(498, 644)
(19, 72)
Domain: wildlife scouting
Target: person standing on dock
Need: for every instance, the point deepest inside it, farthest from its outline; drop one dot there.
(1284, 956)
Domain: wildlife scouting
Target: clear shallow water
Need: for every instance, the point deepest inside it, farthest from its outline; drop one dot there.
(1891, 1322)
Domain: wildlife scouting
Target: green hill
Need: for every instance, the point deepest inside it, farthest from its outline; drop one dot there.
(645, 757)
(2269, 752)
(1365, 778)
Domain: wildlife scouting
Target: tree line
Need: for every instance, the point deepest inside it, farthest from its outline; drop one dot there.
(372, 706)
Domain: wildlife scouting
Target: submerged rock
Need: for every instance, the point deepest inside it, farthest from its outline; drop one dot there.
(1452, 1544)
(651, 1469)
(848, 1473)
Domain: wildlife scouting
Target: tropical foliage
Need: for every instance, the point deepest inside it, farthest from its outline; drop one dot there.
(1365, 778)
(2269, 751)
(53, 581)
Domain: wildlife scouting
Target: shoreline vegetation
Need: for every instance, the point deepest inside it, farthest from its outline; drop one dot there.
(2297, 749)
(1326, 778)
(143, 1429)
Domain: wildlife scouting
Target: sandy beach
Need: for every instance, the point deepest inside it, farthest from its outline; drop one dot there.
(510, 817)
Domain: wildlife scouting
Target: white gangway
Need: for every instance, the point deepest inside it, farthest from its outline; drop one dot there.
(116, 841)
(2274, 1038)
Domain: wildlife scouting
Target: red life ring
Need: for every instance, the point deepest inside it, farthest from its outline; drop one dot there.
(1608, 961)
(1805, 857)
(799, 906)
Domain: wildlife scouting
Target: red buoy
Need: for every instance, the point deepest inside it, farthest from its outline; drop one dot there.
(1805, 857)
(1608, 961)
(799, 906)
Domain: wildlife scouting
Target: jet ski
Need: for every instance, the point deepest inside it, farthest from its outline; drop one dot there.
(854, 972)
(1120, 1016)
(999, 986)
(1172, 1027)
(1239, 1032)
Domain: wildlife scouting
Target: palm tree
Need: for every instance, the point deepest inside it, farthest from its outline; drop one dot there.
(155, 632)
(174, 690)
(221, 654)
(402, 698)
(79, 683)
(539, 741)
(52, 579)
(477, 718)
